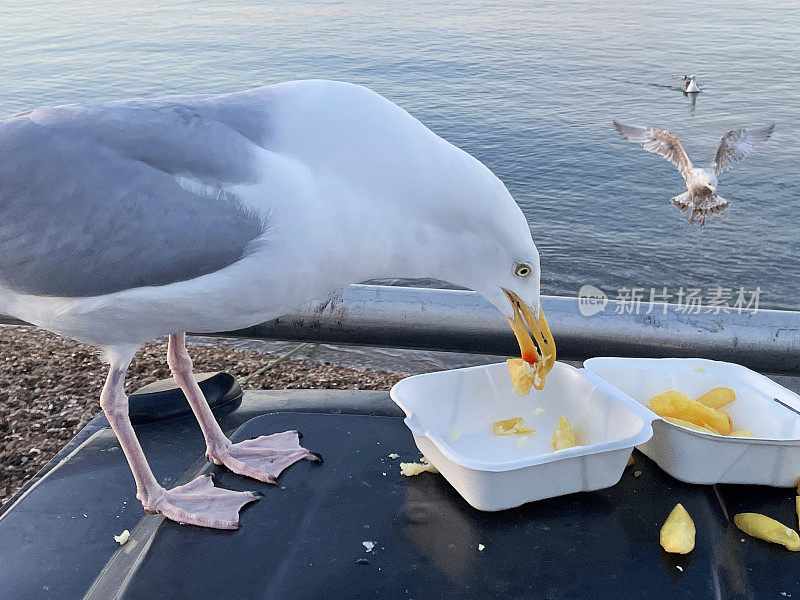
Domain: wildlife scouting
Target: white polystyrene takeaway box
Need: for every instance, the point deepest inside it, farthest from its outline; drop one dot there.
(772, 457)
(450, 414)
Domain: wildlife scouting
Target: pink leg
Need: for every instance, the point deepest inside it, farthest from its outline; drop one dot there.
(198, 502)
(262, 458)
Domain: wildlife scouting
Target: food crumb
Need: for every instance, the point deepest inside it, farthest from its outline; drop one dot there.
(680, 568)
(563, 435)
(362, 561)
(368, 545)
(481, 547)
(412, 468)
(455, 433)
(513, 426)
(700, 369)
(122, 537)
(539, 410)
(394, 455)
(637, 473)
(384, 474)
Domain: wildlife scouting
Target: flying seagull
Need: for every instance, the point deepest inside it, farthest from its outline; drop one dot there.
(126, 221)
(701, 198)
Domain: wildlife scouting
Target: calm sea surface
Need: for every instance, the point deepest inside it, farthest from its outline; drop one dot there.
(530, 88)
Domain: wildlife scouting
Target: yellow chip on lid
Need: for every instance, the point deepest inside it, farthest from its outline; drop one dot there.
(678, 532)
(768, 529)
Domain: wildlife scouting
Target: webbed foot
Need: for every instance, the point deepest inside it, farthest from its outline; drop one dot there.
(200, 503)
(263, 458)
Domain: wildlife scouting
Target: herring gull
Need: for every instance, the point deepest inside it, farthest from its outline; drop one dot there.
(701, 197)
(127, 221)
(690, 85)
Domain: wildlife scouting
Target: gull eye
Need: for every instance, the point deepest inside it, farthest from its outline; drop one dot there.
(522, 270)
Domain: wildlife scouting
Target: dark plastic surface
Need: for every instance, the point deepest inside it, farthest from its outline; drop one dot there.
(164, 400)
(304, 538)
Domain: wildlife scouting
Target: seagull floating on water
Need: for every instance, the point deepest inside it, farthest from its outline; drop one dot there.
(701, 198)
(127, 221)
(690, 85)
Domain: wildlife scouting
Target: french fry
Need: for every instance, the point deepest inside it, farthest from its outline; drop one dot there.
(515, 426)
(670, 395)
(523, 375)
(689, 425)
(679, 409)
(679, 406)
(741, 433)
(678, 532)
(718, 397)
(770, 530)
(563, 436)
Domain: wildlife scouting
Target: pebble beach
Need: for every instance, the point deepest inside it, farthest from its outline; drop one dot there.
(50, 388)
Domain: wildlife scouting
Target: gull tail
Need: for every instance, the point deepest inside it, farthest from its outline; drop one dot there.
(682, 201)
(712, 205)
(708, 205)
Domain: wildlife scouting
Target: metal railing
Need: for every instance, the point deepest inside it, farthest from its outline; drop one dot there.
(453, 320)
(435, 319)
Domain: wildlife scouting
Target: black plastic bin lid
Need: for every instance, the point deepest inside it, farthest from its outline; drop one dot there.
(305, 538)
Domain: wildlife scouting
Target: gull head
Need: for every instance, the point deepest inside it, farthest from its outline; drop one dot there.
(484, 243)
(506, 270)
(397, 200)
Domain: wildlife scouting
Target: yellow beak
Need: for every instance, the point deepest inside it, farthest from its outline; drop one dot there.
(541, 355)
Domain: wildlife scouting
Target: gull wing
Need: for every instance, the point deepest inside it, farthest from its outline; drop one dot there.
(657, 141)
(736, 145)
(101, 199)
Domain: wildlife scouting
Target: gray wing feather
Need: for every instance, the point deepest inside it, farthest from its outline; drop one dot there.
(91, 200)
(657, 141)
(736, 145)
